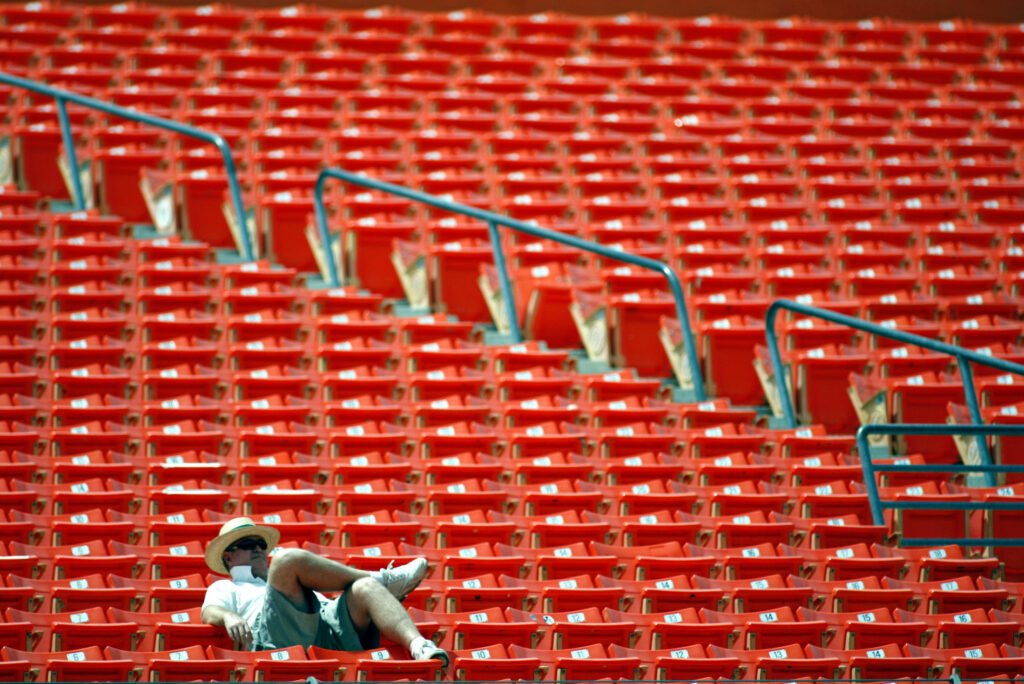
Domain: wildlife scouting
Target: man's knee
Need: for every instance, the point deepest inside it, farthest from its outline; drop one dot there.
(287, 567)
(360, 595)
(290, 555)
(365, 591)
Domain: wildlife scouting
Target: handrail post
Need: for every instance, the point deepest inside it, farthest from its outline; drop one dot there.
(868, 468)
(69, 149)
(972, 407)
(320, 215)
(235, 190)
(778, 369)
(507, 292)
(684, 324)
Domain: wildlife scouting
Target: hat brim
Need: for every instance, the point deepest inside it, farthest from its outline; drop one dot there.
(215, 549)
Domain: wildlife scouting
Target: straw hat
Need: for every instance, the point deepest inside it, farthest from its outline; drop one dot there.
(232, 531)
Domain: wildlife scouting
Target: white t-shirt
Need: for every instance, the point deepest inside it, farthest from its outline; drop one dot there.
(244, 593)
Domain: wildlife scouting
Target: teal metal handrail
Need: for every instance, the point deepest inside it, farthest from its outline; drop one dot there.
(493, 221)
(62, 97)
(878, 506)
(963, 357)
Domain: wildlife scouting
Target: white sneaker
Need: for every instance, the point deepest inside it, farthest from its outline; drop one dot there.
(425, 649)
(402, 580)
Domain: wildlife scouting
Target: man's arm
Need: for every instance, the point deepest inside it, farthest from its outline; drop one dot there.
(236, 627)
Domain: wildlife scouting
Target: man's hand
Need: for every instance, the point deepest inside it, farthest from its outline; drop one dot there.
(236, 627)
(238, 630)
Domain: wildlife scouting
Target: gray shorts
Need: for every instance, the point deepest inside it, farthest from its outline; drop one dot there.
(281, 625)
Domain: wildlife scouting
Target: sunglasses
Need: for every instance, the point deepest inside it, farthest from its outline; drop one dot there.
(248, 544)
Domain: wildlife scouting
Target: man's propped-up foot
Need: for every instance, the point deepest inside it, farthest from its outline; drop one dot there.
(422, 648)
(402, 580)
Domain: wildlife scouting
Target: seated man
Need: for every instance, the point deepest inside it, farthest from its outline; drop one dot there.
(275, 605)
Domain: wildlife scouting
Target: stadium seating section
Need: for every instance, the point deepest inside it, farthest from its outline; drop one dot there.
(578, 525)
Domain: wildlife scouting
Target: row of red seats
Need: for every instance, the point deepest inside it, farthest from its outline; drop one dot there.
(974, 76)
(559, 579)
(192, 378)
(839, 79)
(104, 259)
(201, 660)
(220, 52)
(548, 23)
(730, 515)
(283, 486)
(271, 50)
(611, 192)
(363, 396)
(626, 27)
(614, 124)
(725, 98)
(713, 254)
(870, 307)
(619, 194)
(760, 189)
(648, 572)
(469, 22)
(349, 340)
(554, 113)
(455, 101)
(640, 106)
(544, 161)
(767, 131)
(749, 631)
(837, 523)
(189, 395)
(796, 462)
(953, 277)
(481, 545)
(788, 246)
(611, 187)
(804, 474)
(522, 663)
(793, 250)
(863, 242)
(728, 542)
(709, 269)
(398, 108)
(315, 344)
(559, 402)
(284, 203)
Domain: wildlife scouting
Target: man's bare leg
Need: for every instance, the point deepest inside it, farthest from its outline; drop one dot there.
(295, 570)
(370, 601)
